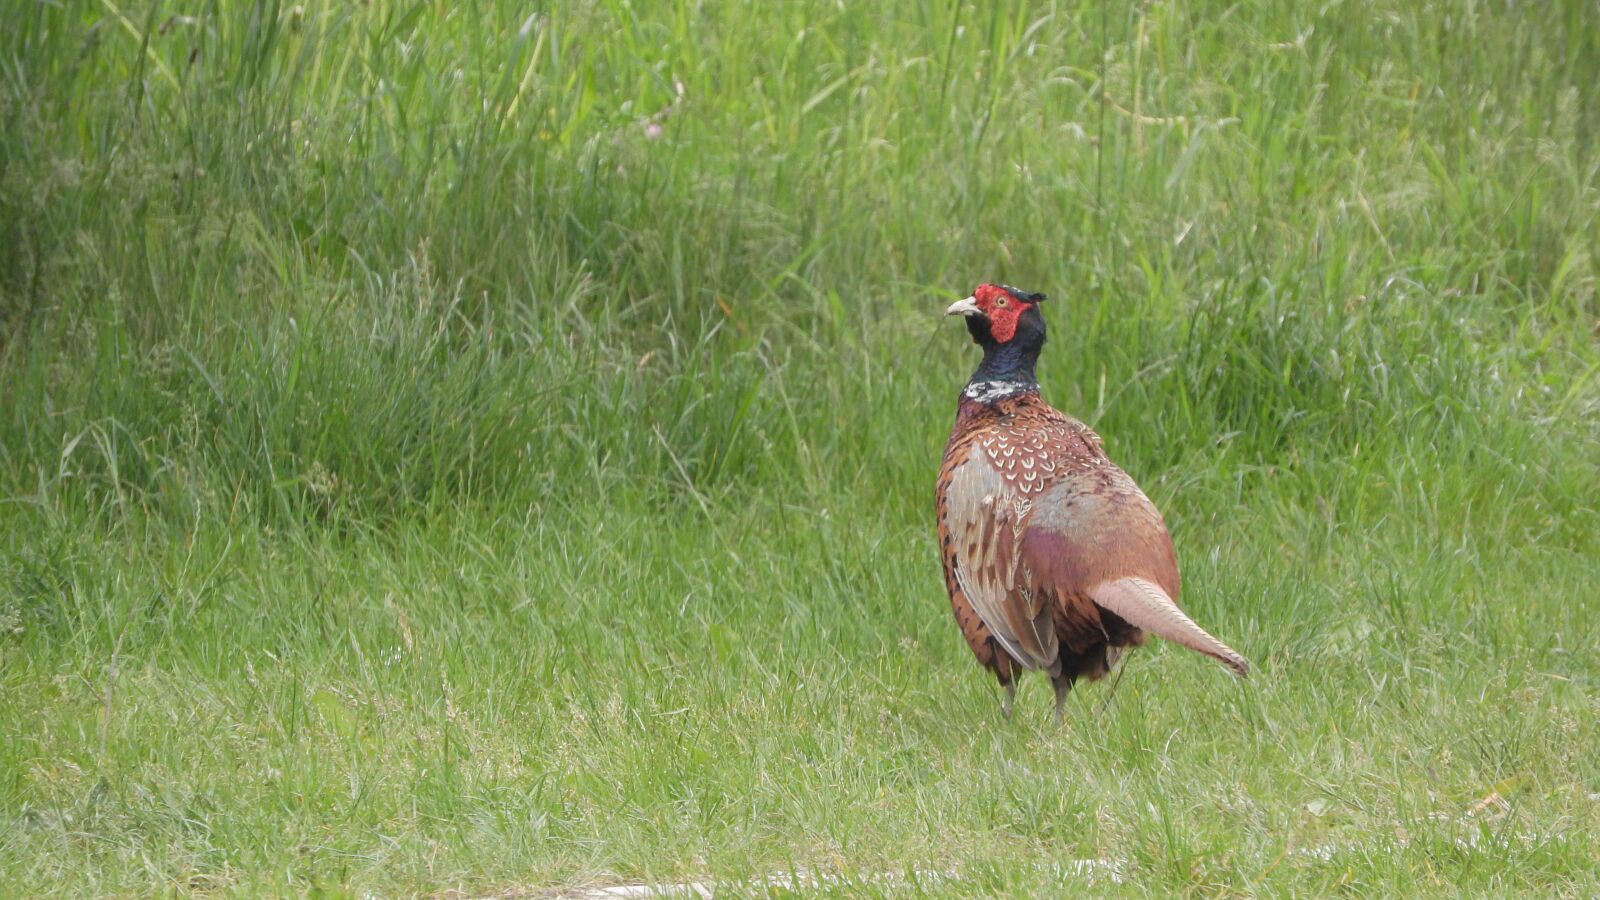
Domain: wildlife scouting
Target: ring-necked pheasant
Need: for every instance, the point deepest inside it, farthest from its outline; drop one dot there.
(1053, 557)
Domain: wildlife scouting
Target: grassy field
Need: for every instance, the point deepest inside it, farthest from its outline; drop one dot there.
(465, 450)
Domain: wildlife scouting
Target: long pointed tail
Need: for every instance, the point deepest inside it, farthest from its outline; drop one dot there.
(1147, 606)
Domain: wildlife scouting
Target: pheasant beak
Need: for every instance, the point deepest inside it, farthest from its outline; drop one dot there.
(966, 307)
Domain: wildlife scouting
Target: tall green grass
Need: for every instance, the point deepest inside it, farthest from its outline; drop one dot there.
(471, 448)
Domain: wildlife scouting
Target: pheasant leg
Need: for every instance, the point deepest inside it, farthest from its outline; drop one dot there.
(1062, 686)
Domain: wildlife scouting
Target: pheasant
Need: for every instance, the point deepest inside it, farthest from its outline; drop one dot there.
(1053, 557)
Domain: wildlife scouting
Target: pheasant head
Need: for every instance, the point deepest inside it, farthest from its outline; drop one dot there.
(1006, 323)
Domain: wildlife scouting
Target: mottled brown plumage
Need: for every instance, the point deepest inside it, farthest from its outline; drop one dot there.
(1053, 557)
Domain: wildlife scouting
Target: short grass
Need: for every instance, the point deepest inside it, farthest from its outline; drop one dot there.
(449, 448)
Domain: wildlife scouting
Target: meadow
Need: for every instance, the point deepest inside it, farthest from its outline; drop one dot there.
(472, 452)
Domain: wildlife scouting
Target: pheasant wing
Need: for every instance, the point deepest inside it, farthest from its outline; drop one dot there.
(987, 518)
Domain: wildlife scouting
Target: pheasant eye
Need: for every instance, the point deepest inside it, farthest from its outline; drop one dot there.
(1000, 302)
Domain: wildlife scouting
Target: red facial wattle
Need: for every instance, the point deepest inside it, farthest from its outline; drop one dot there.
(1001, 309)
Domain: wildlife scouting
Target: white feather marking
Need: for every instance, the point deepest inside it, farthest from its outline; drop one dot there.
(990, 391)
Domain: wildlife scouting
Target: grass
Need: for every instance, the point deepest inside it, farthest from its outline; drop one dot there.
(447, 450)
